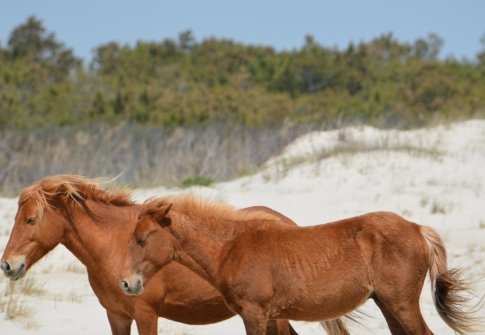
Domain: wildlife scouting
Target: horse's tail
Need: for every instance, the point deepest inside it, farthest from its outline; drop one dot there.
(338, 326)
(448, 287)
(334, 327)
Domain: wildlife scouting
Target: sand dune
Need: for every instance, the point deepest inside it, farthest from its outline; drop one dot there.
(431, 176)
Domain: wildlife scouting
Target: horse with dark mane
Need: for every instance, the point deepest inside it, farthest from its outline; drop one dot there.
(267, 271)
(94, 222)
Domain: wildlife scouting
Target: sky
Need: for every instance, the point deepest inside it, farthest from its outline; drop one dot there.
(283, 24)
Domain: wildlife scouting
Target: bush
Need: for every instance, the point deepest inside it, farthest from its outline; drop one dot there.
(196, 181)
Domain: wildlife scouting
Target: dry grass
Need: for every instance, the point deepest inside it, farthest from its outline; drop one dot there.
(11, 299)
(76, 267)
(437, 208)
(69, 296)
(145, 156)
(15, 309)
(347, 147)
(13, 306)
(29, 286)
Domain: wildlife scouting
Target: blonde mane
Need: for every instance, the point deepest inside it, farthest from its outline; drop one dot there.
(194, 206)
(75, 188)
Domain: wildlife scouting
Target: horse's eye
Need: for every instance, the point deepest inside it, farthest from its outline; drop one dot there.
(31, 220)
(142, 241)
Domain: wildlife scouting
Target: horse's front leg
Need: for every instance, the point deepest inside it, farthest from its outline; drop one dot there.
(255, 320)
(120, 324)
(146, 322)
(279, 327)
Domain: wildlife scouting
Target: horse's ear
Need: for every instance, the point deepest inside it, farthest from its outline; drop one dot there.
(163, 210)
(160, 215)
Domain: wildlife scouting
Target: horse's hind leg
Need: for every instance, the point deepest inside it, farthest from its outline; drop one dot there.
(397, 287)
(401, 307)
(392, 323)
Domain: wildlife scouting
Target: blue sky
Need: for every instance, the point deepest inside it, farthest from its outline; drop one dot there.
(85, 24)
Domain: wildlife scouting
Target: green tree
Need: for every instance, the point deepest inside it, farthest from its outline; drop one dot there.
(31, 42)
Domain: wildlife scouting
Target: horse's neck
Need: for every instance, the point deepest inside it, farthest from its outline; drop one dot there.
(91, 241)
(202, 244)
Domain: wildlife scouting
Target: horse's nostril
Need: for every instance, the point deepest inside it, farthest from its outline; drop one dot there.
(124, 285)
(6, 267)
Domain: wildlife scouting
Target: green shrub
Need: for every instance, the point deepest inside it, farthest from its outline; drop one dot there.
(196, 181)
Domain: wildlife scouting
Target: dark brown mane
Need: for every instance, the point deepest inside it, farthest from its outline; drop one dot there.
(75, 188)
(192, 205)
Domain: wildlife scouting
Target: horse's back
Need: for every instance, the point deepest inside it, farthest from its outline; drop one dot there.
(263, 209)
(389, 230)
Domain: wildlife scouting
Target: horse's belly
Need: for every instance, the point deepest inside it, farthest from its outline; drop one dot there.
(196, 315)
(325, 306)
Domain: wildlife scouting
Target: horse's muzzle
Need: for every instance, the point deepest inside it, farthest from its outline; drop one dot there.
(132, 286)
(14, 271)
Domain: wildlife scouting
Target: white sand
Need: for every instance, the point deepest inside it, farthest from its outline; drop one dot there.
(431, 176)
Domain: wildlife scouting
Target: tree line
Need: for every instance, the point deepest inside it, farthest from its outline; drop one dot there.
(184, 82)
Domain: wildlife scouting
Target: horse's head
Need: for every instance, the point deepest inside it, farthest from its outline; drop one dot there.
(40, 220)
(149, 249)
(37, 230)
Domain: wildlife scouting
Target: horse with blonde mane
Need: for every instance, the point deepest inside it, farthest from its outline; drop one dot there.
(266, 271)
(94, 222)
